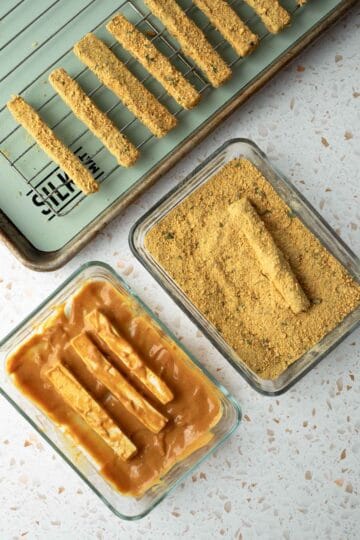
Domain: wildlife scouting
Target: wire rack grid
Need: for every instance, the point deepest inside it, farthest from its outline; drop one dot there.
(53, 195)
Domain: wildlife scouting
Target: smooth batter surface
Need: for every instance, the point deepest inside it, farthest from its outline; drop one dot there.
(210, 258)
(192, 412)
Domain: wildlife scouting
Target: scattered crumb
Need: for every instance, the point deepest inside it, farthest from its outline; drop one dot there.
(349, 488)
(343, 454)
(348, 135)
(324, 142)
(308, 475)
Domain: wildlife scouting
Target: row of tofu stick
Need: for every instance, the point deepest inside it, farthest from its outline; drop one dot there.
(114, 74)
(119, 386)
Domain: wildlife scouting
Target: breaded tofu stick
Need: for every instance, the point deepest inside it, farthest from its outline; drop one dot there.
(272, 14)
(51, 144)
(229, 24)
(110, 377)
(191, 39)
(100, 325)
(270, 257)
(154, 61)
(97, 121)
(114, 74)
(95, 416)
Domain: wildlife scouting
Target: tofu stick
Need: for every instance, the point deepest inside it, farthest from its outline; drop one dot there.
(272, 14)
(115, 75)
(110, 377)
(97, 121)
(270, 257)
(154, 61)
(95, 416)
(191, 39)
(51, 144)
(229, 24)
(107, 333)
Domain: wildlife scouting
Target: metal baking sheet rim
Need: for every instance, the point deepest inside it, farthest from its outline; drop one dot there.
(42, 261)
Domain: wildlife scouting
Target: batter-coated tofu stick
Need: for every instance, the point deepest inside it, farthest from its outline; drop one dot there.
(51, 144)
(95, 416)
(191, 39)
(272, 14)
(115, 75)
(110, 377)
(102, 328)
(97, 121)
(229, 24)
(154, 61)
(270, 257)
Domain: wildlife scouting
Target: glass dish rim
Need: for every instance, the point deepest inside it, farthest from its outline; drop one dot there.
(168, 287)
(223, 390)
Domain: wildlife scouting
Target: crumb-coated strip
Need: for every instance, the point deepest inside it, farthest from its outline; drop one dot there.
(228, 23)
(154, 61)
(75, 395)
(114, 74)
(102, 328)
(85, 109)
(52, 145)
(272, 14)
(270, 257)
(110, 377)
(191, 39)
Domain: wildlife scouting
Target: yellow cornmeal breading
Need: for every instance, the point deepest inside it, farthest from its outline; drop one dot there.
(107, 333)
(270, 258)
(97, 121)
(272, 14)
(191, 39)
(154, 61)
(110, 377)
(115, 75)
(229, 24)
(95, 416)
(51, 144)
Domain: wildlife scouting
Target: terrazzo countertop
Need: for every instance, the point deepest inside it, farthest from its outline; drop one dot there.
(292, 471)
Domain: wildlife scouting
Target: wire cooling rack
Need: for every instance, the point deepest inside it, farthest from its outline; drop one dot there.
(39, 177)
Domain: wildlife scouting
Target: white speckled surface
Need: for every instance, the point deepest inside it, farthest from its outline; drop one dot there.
(292, 471)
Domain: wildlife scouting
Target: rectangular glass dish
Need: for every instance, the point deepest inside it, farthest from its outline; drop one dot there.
(125, 507)
(300, 208)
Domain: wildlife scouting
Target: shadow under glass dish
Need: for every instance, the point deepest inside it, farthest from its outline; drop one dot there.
(300, 207)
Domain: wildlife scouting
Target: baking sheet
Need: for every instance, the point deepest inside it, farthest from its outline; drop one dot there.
(44, 240)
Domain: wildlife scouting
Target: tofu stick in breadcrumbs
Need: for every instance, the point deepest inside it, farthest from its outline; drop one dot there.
(51, 144)
(97, 121)
(272, 14)
(270, 257)
(154, 61)
(191, 39)
(115, 75)
(229, 24)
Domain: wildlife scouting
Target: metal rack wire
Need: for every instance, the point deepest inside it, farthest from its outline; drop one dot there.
(38, 182)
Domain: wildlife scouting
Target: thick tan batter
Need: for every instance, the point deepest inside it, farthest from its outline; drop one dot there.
(194, 406)
(210, 258)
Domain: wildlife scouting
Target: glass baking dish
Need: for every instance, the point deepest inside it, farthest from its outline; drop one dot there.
(125, 507)
(300, 207)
